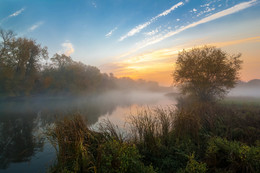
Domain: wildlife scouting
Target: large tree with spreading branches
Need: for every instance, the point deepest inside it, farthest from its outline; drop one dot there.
(206, 73)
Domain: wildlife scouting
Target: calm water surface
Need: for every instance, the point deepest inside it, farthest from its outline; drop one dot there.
(24, 148)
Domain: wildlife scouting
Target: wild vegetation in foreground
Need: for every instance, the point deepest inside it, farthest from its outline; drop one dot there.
(198, 138)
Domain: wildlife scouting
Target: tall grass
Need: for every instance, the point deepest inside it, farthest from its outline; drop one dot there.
(147, 125)
(73, 142)
(169, 140)
(80, 149)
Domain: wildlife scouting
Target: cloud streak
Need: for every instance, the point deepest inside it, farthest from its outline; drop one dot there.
(13, 15)
(140, 27)
(212, 17)
(235, 42)
(16, 13)
(152, 32)
(111, 32)
(35, 26)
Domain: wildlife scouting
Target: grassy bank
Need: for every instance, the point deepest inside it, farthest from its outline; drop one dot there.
(194, 138)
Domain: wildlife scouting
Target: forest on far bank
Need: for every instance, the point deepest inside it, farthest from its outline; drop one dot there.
(27, 70)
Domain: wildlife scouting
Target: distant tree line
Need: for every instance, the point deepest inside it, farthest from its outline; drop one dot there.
(26, 69)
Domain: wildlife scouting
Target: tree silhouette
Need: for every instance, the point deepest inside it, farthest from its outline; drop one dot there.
(206, 73)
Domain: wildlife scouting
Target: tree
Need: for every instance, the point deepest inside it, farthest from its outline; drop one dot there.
(61, 61)
(206, 73)
(19, 64)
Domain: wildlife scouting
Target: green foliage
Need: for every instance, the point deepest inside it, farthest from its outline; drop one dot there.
(232, 156)
(237, 122)
(206, 73)
(121, 157)
(152, 131)
(189, 128)
(193, 166)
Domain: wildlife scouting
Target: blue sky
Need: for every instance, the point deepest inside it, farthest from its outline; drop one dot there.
(137, 38)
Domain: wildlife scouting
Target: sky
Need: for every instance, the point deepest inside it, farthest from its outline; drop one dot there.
(138, 38)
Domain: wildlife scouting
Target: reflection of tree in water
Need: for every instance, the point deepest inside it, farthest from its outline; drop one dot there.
(20, 121)
(17, 143)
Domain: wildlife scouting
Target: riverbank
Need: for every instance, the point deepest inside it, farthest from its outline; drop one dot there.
(197, 138)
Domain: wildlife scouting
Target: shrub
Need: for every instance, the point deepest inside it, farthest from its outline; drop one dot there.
(120, 157)
(193, 166)
(232, 156)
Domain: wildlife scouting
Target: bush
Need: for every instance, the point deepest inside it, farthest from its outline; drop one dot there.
(193, 166)
(120, 157)
(232, 156)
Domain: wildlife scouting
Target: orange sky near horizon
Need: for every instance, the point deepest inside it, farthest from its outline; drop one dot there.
(158, 65)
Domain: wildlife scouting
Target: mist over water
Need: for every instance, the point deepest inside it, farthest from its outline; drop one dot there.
(23, 121)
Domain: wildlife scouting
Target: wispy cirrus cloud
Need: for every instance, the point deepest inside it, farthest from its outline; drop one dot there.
(68, 48)
(17, 13)
(35, 26)
(152, 32)
(140, 27)
(156, 39)
(111, 32)
(235, 42)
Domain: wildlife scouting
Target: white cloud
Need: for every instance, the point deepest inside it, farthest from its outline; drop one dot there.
(12, 15)
(178, 20)
(68, 48)
(207, 10)
(194, 10)
(35, 26)
(152, 32)
(111, 32)
(212, 17)
(135, 30)
(205, 5)
(17, 13)
(215, 16)
(138, 28)
(166, 12)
